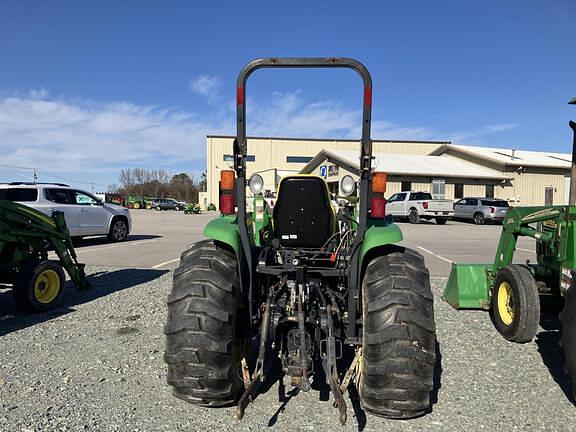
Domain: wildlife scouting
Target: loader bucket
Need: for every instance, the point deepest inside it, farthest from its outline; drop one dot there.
(468, 287)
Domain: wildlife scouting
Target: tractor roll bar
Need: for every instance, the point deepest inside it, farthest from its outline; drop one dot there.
(241, 148)
(572, 196)
(305, 62)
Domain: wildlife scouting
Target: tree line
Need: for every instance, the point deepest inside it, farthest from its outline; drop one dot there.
(159, 183)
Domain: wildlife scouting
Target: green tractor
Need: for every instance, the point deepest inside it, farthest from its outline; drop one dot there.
(511, 291)
(322, 294)
(192, 209)
(26, 236)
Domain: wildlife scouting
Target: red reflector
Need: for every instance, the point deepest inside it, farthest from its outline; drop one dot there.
(378, 207)
(367, 96)
(227, 204)
(333, 257)
(240, 95)
(425, 205)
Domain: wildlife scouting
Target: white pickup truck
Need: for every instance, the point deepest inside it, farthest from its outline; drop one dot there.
(419, 205)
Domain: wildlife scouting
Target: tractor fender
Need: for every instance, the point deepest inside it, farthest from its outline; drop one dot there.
(225, 230)
(376, 237)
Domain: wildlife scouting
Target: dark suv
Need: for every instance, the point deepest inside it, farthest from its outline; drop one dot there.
(168, 204)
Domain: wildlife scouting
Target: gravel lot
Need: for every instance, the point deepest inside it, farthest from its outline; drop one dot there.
(96, 364)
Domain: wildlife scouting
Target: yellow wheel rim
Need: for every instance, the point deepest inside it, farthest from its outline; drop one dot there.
(47, 286)
(506, 303)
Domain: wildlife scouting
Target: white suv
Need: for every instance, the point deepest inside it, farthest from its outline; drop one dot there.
(85, 214)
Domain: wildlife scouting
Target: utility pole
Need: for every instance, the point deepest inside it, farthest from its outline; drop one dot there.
(35, 175)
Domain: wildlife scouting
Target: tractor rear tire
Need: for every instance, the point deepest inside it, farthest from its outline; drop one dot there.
(39, 286)
(413, 216)
(515, 304)
(398, 336)
(568, 338)
(203, 348)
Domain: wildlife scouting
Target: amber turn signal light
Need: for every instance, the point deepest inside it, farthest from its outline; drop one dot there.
(227, 180)
(379, 182)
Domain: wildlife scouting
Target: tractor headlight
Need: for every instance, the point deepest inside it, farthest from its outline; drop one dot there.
(347, 185)
(256, 184)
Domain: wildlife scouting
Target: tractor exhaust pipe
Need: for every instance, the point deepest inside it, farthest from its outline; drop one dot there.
(572, 198)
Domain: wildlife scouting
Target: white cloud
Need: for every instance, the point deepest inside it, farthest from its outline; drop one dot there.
(87, 139)
(67, 136)
(472, 136)
(207, 86)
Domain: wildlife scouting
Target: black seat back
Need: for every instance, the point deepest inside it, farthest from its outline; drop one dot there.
(303, 215)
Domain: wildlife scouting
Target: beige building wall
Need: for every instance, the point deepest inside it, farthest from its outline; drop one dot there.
(527, 187)
(273, 152)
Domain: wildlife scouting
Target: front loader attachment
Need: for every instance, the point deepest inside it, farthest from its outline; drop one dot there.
(468, 286)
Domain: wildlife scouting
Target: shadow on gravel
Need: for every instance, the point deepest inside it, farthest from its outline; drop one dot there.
(97, 241)
(548, 342)
(103, 283)
(437, 377)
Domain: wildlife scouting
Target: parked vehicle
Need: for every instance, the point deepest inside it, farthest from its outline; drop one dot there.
(192, 209)
(139, 202)
(481, 210)
(419, 205)
(168, 204)
(85, 214)
(211, 207)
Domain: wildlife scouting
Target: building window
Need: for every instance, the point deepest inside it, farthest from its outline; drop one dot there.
(298, 159)
(489, 191)
(406, 186)
(438, 188)
(230, 158)
(458, 190)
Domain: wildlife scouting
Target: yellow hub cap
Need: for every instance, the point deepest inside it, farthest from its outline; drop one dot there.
(506, 303)
(47, 286)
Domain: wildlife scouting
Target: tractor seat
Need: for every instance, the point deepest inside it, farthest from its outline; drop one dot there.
(303, 215)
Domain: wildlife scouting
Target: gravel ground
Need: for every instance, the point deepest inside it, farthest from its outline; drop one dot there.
(96, 364)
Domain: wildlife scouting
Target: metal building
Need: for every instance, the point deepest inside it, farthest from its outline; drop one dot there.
(444, 169)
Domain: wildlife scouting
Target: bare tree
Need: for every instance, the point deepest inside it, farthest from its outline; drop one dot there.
(126, 179)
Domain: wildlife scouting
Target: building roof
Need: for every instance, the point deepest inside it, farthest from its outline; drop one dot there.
(401, 164)
(330, 139)
(511, 157)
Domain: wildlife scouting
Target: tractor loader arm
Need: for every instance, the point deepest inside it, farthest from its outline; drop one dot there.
(27, 231)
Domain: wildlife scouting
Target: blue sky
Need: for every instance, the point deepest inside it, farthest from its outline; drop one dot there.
(88, 88)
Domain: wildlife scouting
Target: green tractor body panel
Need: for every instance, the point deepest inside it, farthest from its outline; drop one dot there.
(379, 233)
(24, 234)
(468, 286)
(225, 230)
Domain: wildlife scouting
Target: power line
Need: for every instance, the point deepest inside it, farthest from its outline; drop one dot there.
(17, 167)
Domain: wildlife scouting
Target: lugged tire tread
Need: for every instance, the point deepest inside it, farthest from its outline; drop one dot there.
(201, 343)
(399, 336)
